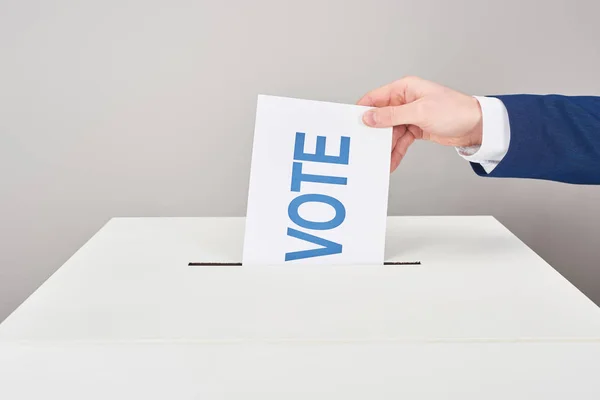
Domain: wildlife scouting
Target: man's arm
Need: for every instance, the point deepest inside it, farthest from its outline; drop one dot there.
(548, 136)
(551, 137)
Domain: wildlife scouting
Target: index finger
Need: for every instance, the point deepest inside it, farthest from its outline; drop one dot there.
(402, 91)
(380, 97)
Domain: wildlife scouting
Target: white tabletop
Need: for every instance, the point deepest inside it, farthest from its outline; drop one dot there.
(482, 317)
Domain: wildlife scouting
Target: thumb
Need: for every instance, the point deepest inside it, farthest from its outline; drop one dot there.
(385, 117)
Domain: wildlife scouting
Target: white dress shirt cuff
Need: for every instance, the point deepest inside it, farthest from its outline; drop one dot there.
(496, 135)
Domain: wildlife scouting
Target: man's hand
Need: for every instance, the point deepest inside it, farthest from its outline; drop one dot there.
(419, 109)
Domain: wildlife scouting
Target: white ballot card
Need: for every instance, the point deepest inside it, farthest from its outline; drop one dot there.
(319, 185)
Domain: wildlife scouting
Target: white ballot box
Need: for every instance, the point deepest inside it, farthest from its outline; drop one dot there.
(481, 317)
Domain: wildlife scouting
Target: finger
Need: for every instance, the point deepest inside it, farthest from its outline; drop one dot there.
(379, 97)
(415, 131)
(395, 156)
(385, 117)
(398, 132)
(401, 91)
(400, 150)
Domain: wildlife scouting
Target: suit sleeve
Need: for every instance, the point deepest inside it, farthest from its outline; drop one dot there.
(551, 137)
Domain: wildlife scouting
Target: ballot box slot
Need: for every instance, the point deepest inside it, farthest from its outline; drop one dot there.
(239, 264)
(214, 264)
(402, 263)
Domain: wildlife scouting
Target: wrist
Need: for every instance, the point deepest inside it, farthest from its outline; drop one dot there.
(474, 136)
(495, 135)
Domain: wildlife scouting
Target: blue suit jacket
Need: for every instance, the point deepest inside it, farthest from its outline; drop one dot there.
(551, 137)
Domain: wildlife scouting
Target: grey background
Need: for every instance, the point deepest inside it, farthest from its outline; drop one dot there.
(146, 108)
